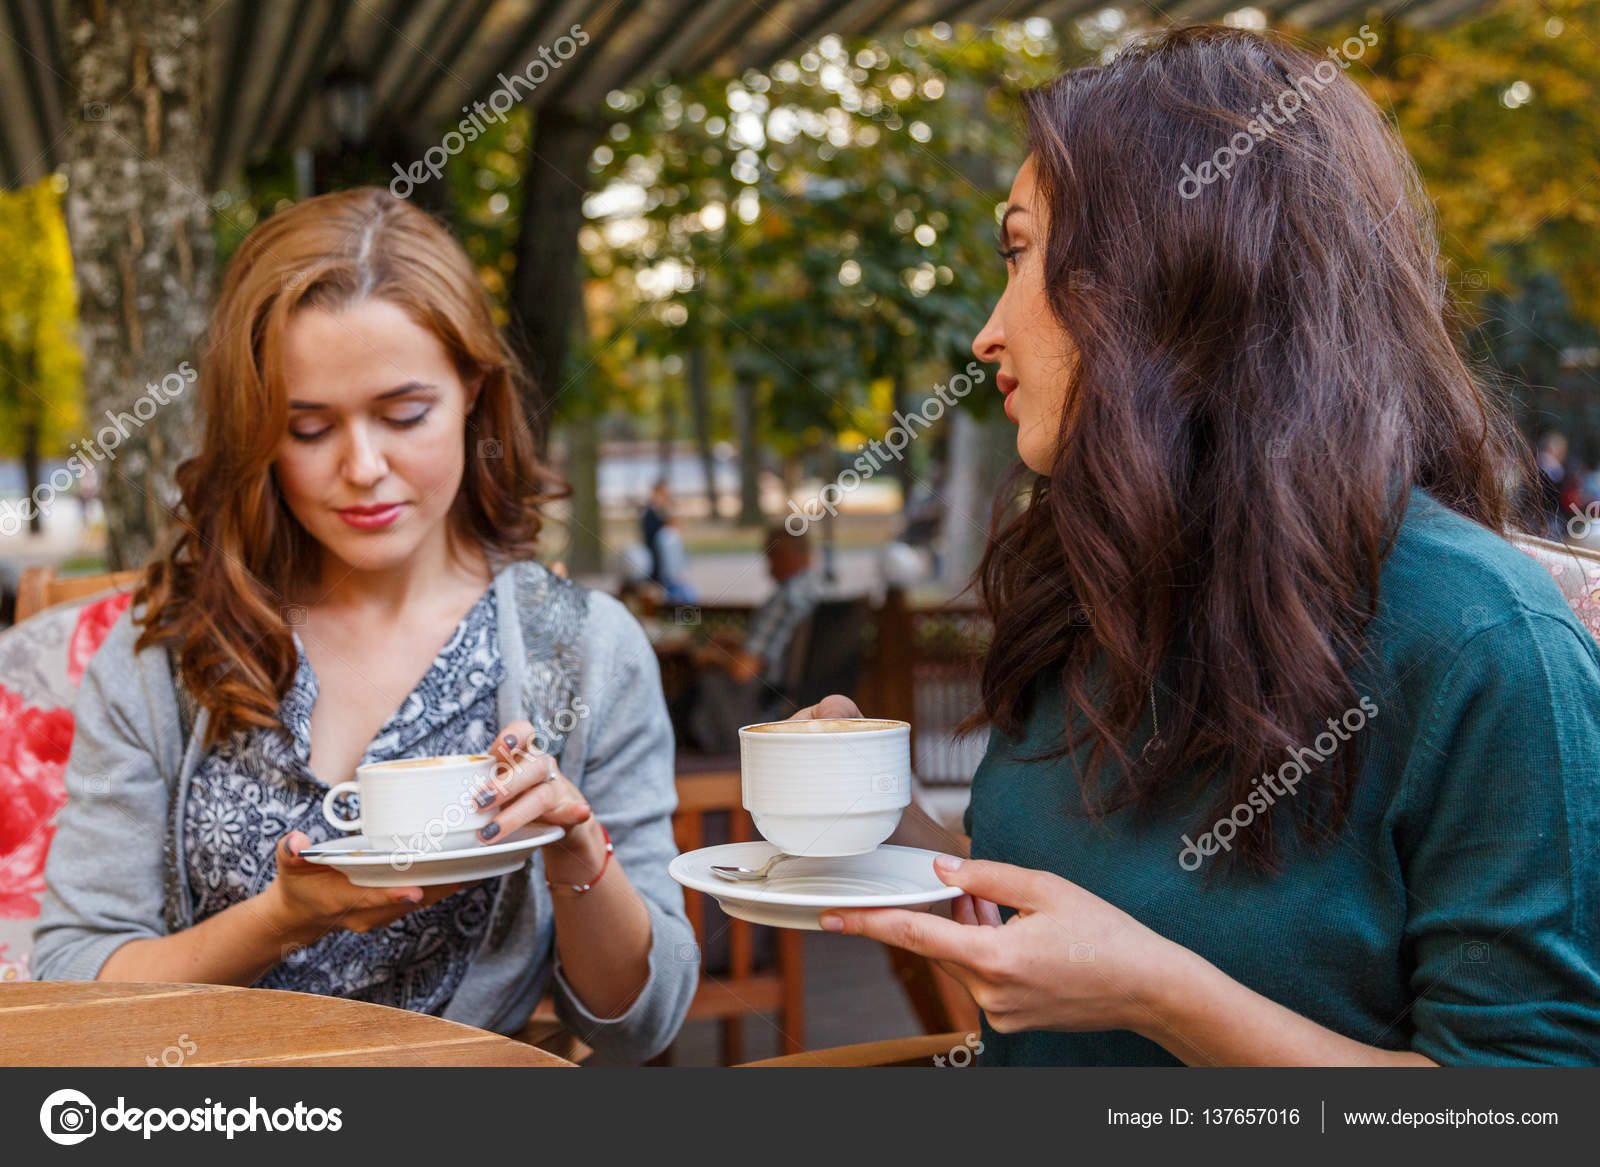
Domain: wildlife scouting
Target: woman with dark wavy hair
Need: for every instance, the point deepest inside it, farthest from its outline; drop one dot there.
(1295, 759)
(352, 581)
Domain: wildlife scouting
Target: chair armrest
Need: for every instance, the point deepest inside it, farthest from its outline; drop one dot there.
(897, 1051)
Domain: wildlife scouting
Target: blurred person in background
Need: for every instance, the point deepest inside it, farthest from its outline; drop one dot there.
(1552, 462)
(740, 681)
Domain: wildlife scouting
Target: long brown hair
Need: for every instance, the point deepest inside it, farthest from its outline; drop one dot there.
(1264, 367)
(217, 594)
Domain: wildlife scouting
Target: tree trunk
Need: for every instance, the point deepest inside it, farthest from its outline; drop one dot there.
(964, 512)
(547, 304)
(744, 403)
(139, 221)
(585, 549)
(546, 286)
(668, 424)
(699, 382)
(901, 468)
(30, 470)
(981, 455)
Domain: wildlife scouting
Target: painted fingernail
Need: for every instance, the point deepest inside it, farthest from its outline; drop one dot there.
(485, 796)
(510, 740)
(947, 862)
(832, 923)
(490, 831)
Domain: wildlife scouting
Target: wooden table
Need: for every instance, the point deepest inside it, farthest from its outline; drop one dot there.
(109, 1023)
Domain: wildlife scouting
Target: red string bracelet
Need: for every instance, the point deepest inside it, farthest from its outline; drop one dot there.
(579, 888)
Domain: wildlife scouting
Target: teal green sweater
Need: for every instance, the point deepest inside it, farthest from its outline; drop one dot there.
(1458, 913)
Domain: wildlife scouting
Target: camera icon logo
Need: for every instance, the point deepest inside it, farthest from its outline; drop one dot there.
(689, 953)
(1475, 952)
(293, 614)
(67, 1117)
(95, 111)
(491, 448)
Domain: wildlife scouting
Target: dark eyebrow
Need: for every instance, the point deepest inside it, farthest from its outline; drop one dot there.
(1011, 210)
(397, 391)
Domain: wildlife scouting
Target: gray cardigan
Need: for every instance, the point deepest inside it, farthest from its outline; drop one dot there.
(577, 665)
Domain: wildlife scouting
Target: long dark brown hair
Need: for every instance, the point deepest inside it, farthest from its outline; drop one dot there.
(218, 592)
(1264, 366)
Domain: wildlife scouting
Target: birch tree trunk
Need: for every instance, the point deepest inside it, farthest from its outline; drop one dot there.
(139, 220)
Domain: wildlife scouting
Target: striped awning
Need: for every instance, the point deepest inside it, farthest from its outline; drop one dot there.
(424, 59)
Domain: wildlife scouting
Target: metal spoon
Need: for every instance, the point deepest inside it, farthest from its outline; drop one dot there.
(747, 874)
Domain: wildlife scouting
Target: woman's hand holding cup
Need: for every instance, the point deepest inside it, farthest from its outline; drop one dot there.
(528, 786)
(833, 705)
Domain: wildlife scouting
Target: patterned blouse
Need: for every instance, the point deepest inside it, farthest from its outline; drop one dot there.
(248, 791)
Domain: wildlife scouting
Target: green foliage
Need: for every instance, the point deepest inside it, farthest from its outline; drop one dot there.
(1502, 114)
(41, 368)
(825, 229)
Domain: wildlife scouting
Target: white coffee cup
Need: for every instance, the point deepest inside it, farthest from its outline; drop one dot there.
(418, 804)
(828, 786)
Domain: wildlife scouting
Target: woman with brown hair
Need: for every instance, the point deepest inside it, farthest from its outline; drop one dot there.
(1294, 759)
(351, 582)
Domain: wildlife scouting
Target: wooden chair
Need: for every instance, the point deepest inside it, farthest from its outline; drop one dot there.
(40, 587)
(727, 999)
(896, 1051)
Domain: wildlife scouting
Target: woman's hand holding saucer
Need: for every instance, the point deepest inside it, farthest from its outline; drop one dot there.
(309, 899)
(1066, 960)
(528, 786)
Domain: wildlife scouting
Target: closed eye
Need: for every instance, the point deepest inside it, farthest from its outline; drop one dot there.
(399, 423)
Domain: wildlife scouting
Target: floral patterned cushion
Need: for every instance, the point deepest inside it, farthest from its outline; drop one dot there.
(41, 662)
(1576, 571)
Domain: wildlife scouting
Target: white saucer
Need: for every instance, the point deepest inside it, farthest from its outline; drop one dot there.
(366, 866)
(799, 890)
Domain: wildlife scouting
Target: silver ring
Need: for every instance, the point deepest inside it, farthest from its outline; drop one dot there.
(549, 769)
